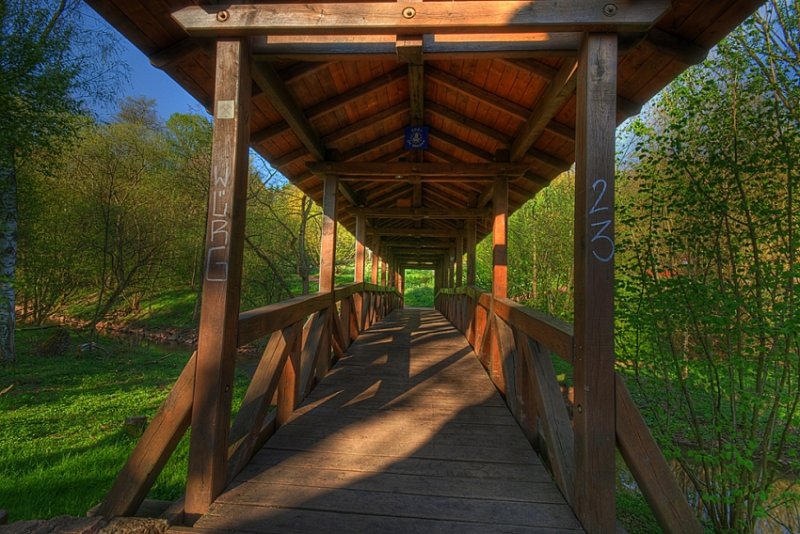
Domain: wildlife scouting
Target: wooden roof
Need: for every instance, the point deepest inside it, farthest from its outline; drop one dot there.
(490, 99)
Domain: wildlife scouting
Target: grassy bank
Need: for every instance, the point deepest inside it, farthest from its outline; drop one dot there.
(62, 439)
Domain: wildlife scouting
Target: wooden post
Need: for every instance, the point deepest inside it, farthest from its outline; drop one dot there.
(594, 419)
(327, 255)
(472, 231)
(375, 260)
(437, 282)
(216, 349)
(384, 271)
(500, 239)
(459, 261)
(361, 233)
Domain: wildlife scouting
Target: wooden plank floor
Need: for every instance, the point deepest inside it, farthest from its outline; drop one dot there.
(406, 434)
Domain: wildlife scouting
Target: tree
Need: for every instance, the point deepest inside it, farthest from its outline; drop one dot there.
(43, 78)
(708, 299)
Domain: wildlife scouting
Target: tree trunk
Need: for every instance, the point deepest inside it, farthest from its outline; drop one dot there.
(8, 253)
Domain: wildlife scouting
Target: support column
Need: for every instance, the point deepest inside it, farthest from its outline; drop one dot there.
(219, 314)
(472, 233)
(327, 254)
(593, 371)
(375, 260)
(361, 234)
(384, 271)
(459, 260)
(500, 239)
(437, 281)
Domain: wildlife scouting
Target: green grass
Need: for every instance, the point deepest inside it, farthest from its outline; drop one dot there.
(61, 436)
(419, 288)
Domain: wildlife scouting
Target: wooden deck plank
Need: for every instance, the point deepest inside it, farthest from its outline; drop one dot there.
(248, 519)
(407, 433)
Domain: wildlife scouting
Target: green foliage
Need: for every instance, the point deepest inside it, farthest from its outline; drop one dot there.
(707, 295)
(540, 242)
(61, 436)
(418, 288)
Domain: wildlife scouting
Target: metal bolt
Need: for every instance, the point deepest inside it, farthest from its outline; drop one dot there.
(223, 15)
(609, 10)
(409, 13)
(580, 409)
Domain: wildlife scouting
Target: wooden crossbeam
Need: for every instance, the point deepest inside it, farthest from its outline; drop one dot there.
(265, 76)
(428, 17)
(327, 48)
(422, 213)
(402, 169)
(558, 92)
(415, 232)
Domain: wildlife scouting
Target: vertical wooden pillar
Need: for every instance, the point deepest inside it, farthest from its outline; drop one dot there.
(594, 419)
(437, 282)
(375, 260)
(361, 234)
(459, 260)
(216, 348)
(384, 271)
(327, 255)
(472, 232)
(500, 239)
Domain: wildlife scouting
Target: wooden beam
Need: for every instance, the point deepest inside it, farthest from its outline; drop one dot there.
(500, 239)
(361, 236)
(329, 48)
(384, 81)
(327, 255)
(216, 349)
(478, 93)
(267, 78)
(414, 180)
(471, 249)
(429, 17)
(403, 169)
(460, 144)
(366, 148)
(422, 213)
(349, 194)
(178, 51)
(451, 115)
(555, 96)
(684, 51)
(415, 232)
(333, 138)
(593, 369)
(459, 260)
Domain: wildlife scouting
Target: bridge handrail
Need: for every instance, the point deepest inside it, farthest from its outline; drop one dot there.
(306, 334)
(510, 340)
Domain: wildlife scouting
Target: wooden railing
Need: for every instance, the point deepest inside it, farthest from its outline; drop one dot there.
(306, 335)
(514, 343)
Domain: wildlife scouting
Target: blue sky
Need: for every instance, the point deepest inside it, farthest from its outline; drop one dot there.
(143, 78)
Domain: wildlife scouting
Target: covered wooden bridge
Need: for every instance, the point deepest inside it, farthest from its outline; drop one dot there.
(419, 126)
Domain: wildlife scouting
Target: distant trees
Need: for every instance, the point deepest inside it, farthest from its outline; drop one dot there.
(43, 78)
(118, 212)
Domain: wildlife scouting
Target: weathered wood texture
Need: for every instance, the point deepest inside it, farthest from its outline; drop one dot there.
(405, 433)
(216, 348)
(593, 359)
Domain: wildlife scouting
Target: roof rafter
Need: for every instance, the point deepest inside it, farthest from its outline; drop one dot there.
(267, 78)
